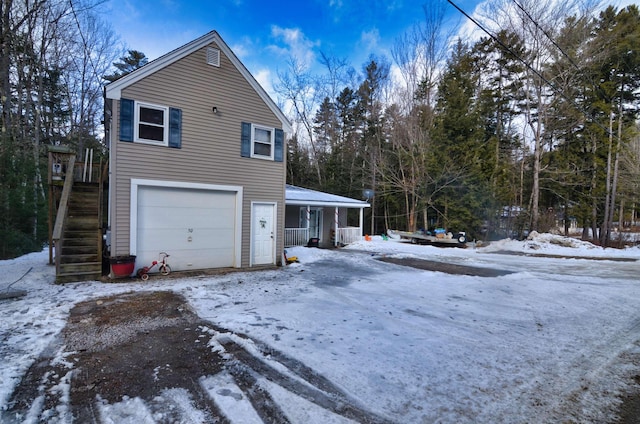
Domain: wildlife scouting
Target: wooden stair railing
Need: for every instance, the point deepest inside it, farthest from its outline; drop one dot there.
(77, 233)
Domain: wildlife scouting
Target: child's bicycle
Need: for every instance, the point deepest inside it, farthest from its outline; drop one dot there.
(163, 267)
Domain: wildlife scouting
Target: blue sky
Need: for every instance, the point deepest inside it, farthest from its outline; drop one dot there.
(264, 33)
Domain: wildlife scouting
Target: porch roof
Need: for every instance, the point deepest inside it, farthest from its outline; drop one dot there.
(299, 196)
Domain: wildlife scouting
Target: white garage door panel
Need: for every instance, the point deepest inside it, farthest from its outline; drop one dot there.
(196, 227)
(209, 258)
(191, 211)
(172, 217)
(199, 239)
(157, 196)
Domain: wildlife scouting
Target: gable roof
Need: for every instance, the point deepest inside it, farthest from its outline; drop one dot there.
(114, 89)
(304, 196)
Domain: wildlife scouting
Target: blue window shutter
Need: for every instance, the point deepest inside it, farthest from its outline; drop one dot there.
(175, 128)
(278, 148)
(126, 120)
(245, 140)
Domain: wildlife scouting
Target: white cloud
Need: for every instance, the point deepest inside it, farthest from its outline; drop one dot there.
(369, 40)
(293, 43)
(469, 30)
(264, 78)
(391, 6)
(127, 11)
(240, 50)
(336, 7)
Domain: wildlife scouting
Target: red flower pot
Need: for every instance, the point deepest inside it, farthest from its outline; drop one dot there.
(122, 266)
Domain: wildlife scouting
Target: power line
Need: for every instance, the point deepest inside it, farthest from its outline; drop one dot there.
(508, 49)
(504, 46)
(547, 35)
(595, 86)
(528, 66)
(87, 55)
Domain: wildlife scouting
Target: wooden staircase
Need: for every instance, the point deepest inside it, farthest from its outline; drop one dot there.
(80, 247)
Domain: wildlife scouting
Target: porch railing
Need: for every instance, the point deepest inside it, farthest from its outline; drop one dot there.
(348, 235)
(296, 237)
(300, 236)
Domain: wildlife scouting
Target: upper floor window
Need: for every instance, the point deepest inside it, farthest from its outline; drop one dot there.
(262, 142)
(152, 124)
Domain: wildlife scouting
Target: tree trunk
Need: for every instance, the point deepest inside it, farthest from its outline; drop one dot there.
(592, 190)
(594, 222)
(386, 216)
(426, 219)
(535, 189)
(6, 44)
(409, 210)
(566, 218)
(605, 233)
(616, 165)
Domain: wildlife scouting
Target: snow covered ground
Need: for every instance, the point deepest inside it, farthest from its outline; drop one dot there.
(552, 341)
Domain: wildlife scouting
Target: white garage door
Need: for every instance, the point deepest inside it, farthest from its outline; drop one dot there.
(196, 227)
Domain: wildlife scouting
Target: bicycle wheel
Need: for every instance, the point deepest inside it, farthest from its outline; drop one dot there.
(165, 269)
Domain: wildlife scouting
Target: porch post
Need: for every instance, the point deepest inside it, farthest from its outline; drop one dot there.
(335, 237)
(308, 222)
(361, 219)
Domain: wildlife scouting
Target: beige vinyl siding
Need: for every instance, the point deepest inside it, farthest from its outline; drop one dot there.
(210, 152)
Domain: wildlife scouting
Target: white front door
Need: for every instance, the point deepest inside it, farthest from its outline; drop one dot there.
(263, 233)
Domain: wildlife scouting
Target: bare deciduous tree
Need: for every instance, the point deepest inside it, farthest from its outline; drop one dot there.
(53, 53)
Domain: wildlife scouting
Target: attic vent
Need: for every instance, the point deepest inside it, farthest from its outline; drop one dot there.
(213, 56)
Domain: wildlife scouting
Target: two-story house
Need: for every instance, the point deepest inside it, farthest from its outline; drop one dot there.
(197, 162)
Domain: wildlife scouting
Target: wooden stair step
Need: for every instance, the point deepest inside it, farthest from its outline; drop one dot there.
(80, 243)
(86, 267)
(79, 258)
(82, 234)
(82, 226)
(72, 277)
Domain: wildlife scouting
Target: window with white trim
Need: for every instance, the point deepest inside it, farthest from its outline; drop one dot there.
(262, 142)
(151, 124)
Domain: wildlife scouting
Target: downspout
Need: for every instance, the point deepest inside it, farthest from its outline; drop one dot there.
(108, 114)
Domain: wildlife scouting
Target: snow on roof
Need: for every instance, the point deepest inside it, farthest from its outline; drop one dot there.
(304, 196)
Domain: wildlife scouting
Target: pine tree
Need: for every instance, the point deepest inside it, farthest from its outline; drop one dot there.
(127, 64)
(459, 148)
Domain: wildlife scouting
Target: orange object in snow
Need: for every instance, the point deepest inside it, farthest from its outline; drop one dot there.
(367, 237)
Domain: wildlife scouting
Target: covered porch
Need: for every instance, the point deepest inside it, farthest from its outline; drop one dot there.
(333, 220)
